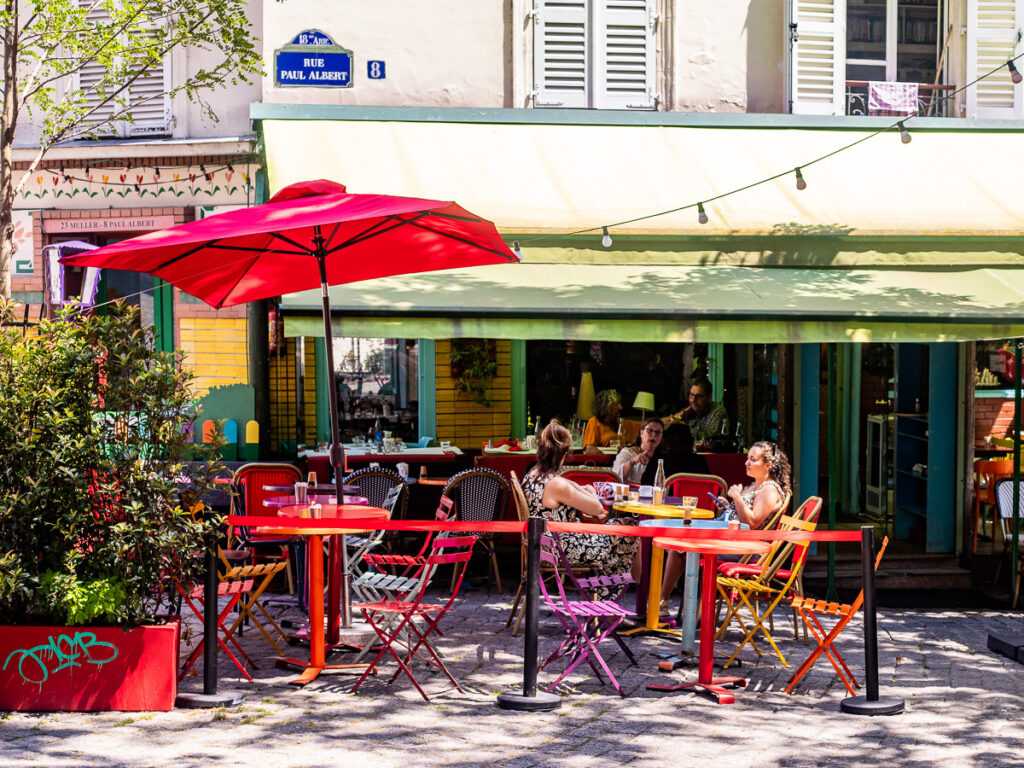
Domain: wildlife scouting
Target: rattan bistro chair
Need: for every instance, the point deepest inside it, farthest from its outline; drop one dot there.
(480, 496)
(374, 485)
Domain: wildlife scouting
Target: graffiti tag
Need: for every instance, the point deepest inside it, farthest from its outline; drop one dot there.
(65, 651)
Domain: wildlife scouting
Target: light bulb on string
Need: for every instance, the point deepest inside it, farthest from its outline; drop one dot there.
(702, 216)
(905, 136)
(800, 183)
(606, 239)
(1015, 74)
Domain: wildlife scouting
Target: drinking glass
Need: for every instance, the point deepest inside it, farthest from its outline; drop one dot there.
(634, 496)
(446, 445)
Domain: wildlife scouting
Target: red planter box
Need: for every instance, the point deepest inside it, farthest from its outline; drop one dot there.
(83, 669)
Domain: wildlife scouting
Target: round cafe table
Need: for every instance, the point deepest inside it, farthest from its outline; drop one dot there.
(652, 562)
(709, 550)
(332, 513)
(277, 502)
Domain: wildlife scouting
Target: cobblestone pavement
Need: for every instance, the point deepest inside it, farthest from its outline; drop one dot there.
(963, 709)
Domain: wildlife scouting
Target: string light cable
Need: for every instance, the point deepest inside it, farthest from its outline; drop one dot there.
(900, 125)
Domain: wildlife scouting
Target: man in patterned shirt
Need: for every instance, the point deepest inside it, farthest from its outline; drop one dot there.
(705, 418)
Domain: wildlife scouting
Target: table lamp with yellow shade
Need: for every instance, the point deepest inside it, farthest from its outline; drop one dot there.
(644, 402)
(585, 403)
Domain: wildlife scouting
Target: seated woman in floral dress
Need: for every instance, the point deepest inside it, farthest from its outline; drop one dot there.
(556, 498)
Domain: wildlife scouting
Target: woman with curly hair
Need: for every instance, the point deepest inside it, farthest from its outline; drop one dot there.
(556, 498)
(604, 424)
(754, 505)
(768, 467)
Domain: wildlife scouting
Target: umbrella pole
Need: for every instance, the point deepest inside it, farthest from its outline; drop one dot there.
(338, 574)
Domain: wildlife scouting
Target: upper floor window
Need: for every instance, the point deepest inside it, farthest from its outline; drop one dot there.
(839, 47)
(139, 88)
(596, 54)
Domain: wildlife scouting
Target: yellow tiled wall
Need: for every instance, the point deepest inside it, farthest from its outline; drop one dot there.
(216, 349)
(459, 419)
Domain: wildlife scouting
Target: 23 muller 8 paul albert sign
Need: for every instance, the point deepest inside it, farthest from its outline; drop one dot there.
(313, 60)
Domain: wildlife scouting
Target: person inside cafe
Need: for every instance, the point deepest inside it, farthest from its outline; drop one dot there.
(755, 504)
(634, 459)
(556, 498)
(704, 417)
(678, 455)
(603, 426)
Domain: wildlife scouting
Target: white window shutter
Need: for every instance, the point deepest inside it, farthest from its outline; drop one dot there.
(623, 40)
(87, 77)
(993, 28)
(151, 106)
(817, 56)
(560, 42)
(147, 96)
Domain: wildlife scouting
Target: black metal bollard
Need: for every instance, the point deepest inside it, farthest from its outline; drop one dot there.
(530, 700)
(872, 703)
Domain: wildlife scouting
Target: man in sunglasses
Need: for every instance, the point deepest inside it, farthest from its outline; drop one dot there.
(704, 417)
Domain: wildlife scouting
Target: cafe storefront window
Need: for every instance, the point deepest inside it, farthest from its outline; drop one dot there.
(377, 379)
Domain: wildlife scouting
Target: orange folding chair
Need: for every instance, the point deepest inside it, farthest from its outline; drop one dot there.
(265, 573)
(809, 610)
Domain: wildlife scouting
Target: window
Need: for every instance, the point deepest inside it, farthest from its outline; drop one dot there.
(834, 41)
(596, 54)
(146, 95)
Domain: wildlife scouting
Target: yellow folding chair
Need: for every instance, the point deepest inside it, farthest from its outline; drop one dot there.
(772, 584)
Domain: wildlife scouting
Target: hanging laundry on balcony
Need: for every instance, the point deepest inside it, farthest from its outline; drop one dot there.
(892, 98)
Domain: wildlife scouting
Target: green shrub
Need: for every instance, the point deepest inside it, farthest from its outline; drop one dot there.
(93, 525)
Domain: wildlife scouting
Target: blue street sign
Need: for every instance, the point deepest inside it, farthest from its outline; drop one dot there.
(375, 70)
(312, 59)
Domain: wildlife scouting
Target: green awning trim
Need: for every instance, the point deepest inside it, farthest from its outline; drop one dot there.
(673, 302)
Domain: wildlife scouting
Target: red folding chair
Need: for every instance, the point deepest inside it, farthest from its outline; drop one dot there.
(234, 591)
(405, 570)
(379, 615)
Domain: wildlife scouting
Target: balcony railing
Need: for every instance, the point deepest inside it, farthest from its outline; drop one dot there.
(932, 100)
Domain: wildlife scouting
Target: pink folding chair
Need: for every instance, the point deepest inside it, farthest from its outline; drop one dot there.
(587, 623)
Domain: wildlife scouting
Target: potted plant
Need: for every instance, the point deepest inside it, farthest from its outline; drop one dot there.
(474, 362)
(96, 513)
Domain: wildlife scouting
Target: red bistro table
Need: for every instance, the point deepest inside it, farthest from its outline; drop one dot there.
(317, 642)
(709, 550)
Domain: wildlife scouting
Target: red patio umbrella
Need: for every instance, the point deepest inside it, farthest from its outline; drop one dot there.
(309, 234)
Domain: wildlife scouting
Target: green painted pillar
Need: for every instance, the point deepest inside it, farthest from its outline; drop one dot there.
(323, 411)
(716, 370)
(518, 387)
(426, 388)
(806, 410)
(259, 347)
(833, 468)
(163, 314)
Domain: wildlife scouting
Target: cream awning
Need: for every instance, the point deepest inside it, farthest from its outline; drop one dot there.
(721, 303)
(952, 179)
